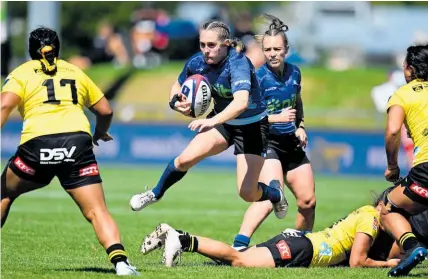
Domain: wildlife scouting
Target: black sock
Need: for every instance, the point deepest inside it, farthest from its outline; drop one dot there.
(408, 241)
(170, 176)
(189, 243)
(269, 193)
(116, 253)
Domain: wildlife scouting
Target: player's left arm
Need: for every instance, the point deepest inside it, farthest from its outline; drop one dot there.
(366, 230)
(300, 125)
(359, 253)
(9, 101)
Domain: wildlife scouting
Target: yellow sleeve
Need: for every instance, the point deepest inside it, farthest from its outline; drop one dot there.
(94, 93)
(368, 223)
(14, 85)
(396, 99)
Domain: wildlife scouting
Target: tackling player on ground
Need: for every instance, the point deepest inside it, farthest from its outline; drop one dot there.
(56, 139)
(408, 105)
(285, 160)
(239, 118)
(347, 241)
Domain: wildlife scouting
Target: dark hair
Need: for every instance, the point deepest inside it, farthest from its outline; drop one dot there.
(276, 26)
(377, 198)
(223, 32)
(417, 57)
(44, 45)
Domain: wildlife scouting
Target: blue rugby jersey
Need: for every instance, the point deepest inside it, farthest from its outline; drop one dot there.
(234, 73)
(280, 93)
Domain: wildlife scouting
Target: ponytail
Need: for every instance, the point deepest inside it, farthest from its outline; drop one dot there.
(48, 60)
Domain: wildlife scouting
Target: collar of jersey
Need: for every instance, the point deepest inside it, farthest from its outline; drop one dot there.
(286, 72)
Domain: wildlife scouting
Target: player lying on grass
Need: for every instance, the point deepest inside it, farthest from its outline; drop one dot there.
(385, 247)
(347, 241)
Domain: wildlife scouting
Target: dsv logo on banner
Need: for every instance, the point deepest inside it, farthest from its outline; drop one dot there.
(56, 155)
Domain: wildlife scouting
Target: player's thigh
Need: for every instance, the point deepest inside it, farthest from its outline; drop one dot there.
(271, 170)
(88, 197)
(81, 168)
(412, 196)
(203, 145)
(12, 185)
(23, 172)
(301, 182)
(251, 143)
(255, 257)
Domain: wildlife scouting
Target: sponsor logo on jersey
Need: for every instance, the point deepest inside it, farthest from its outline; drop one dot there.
(90, 170)
(420, 191)
(56, 155)
(284, 250)
(270, 89)
(23, 166)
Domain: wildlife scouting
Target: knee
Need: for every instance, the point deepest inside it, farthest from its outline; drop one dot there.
(183, 162)
(248, 195)
(95, 213)
(238, 262)
(307, 204)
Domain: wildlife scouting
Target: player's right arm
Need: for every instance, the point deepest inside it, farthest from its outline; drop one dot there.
(177, 101)
(11, 96)
(9, 101)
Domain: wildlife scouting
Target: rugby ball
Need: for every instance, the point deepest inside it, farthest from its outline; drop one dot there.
(197, 89)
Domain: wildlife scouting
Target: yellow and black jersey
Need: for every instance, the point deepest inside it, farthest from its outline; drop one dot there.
(52, 104)
(413, 98)
(333, 245)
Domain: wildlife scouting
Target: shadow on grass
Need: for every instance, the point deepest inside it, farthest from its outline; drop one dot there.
(88, 269)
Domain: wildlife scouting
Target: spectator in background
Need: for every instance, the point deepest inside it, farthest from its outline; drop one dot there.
(108, 46)
(243, 30)
(380, 95)
(148, 42)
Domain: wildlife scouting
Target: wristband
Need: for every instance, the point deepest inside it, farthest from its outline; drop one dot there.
(173, 100)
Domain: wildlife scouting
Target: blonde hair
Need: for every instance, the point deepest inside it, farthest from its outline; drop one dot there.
(223, 32)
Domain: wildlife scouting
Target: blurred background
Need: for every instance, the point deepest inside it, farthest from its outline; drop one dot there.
(350, 55)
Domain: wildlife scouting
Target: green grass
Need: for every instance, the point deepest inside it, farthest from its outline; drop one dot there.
(46, 236)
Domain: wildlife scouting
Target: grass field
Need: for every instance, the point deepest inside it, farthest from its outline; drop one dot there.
(46, 236)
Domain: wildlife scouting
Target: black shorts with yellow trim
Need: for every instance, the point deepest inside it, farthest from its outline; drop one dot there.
(290, 251)
(68, 156)
(416, 184)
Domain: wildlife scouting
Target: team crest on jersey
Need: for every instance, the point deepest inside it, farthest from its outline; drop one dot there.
(375, 224)
(38, 71)
(325, 250)
(418, 88)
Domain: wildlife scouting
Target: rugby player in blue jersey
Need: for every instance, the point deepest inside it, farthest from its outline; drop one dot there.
(286, 160)
(239, 118)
